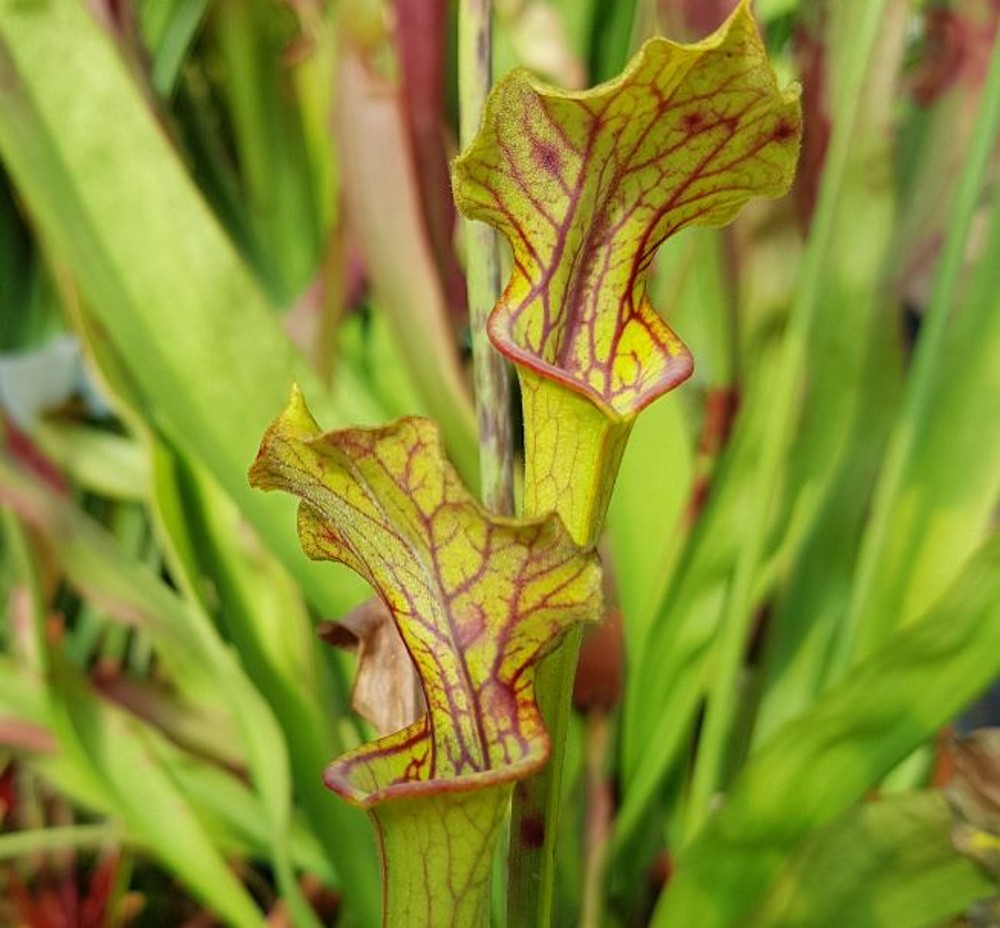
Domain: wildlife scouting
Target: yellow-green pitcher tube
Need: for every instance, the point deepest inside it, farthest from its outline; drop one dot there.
(572, 453)
(412, 833)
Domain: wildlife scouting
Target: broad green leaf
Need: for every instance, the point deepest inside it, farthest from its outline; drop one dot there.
(887, 862)
(925, 522)
(824, 760)
(111, 199)
(478, 601)
(653, 487)
(587, 185)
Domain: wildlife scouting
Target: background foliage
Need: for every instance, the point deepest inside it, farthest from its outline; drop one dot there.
(204, 200)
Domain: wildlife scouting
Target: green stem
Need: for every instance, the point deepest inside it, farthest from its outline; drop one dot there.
(599, 815)
(535, 811)
(572, 452)
(492, 382)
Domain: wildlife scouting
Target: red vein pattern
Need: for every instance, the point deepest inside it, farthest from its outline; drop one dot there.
(587, 185)
(478, 599)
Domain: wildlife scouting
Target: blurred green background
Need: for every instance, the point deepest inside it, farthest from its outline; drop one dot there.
(202, 201)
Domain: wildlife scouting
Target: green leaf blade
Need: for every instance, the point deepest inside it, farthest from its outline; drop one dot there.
(887, 862)
(820, 763)
(164, 285)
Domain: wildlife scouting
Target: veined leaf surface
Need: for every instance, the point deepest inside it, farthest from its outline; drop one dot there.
(478, 601)
(587, 185)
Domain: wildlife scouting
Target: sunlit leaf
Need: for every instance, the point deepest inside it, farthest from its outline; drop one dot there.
(162, 283)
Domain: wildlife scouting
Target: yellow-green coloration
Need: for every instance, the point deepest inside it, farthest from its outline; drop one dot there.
(571, 452)
(587, 185)
(478, 601)
(437, 856)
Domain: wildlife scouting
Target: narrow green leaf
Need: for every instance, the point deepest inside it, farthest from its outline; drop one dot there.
(99, 461)
(855, 365)
(887, 862)
(227, 807)
(925, 522)
(268, 624)
(28, 708)
(251, 43)
(170, 29)
(27, 618)
(232, 812)
(612, 38)
(711, 604)
(110, 196)
(824, 760)
(22, 844)
(778, 440)
(186, 641)
(156, 813)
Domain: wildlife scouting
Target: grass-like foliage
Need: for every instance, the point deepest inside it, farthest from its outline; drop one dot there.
(203, 202)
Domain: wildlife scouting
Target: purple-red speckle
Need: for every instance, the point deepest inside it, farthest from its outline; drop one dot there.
(547, 157)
